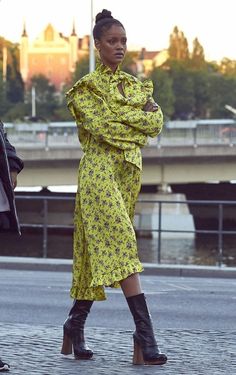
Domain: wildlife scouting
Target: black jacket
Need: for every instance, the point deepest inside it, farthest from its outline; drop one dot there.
(9, 161)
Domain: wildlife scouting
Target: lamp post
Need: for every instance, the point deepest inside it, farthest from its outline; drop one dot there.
(91, 47)
(4, 64)
(33, 101)
(231, 109)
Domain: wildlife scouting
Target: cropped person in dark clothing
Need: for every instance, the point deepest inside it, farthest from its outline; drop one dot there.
(10, 166)
(4, 366)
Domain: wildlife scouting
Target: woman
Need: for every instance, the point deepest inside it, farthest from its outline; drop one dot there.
(10, 166)
(115, 114)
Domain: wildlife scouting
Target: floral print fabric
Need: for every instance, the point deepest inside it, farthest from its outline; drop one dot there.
(112, 128)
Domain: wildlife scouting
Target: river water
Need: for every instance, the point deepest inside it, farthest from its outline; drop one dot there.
(199, 251)
(202, 250)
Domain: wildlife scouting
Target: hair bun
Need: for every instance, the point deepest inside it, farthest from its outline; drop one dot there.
(104, 14)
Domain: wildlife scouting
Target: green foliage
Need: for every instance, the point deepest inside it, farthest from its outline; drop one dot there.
(62, 113)
(163, 91)
(81, 69)
(17, 112)
(11, 90)
(183, 90)
(14, 87)
(222, 91)
(228, 67)
(5, 104)
(46, 97)
(197, 56)
(129, 63)
(201, 93)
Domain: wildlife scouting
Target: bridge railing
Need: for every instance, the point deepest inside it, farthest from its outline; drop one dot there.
(175, 133)
(44, 225)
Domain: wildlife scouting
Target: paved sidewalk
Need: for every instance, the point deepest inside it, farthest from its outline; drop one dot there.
(65, 265)
(35, 350)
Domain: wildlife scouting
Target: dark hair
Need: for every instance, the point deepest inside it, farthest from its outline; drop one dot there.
(104, 21)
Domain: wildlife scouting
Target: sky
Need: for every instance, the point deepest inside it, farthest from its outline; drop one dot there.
(148, 23)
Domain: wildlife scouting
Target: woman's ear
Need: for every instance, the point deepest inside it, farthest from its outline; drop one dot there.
(97, 44)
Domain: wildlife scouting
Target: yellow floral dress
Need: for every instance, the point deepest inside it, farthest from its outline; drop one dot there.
(112, 128)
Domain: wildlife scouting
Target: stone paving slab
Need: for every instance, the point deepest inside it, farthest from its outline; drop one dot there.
(35, 350)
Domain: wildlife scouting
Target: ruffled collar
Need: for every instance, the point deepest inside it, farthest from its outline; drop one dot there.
(101, 68)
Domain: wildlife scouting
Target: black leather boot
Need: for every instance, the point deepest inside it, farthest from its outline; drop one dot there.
(74, 330)
(146, 351)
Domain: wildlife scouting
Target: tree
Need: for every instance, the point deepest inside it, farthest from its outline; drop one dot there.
(62, 113)
(46, 97)
(14, 86)
(222, 91)
(228, 67)
(4, 103)
(200, 80)
(163, 91)
(178, 45)
(17, 112)
(198, 55)
(129, 64)
(183, 90)
(81, 69)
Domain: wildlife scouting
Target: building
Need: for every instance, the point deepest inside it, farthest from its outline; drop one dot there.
(55, 56)
(147, 60)
(51, 54)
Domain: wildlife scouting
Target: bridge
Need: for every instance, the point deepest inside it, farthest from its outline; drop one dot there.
(186, 151)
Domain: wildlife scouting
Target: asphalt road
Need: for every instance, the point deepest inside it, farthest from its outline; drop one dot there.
(39, 297)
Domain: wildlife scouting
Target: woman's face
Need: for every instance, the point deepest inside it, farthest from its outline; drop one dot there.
(112, 46)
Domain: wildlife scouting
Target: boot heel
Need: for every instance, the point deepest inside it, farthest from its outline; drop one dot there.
(138, 355)
(66, 345)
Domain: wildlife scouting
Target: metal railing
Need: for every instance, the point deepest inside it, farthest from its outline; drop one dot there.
(220, 232)
(183, 133)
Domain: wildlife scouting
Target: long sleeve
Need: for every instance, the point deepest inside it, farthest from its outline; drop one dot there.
(103, 112)
(15, 163)
(92, 113)
(128, 108)
(149, 123)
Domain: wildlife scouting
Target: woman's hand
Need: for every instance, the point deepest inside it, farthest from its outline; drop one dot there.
(150, 106)
(14, 179)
